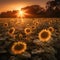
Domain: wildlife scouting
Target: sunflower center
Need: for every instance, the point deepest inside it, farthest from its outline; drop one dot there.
(27, 30)
(18, 47)
(44, 35)
(11, 31)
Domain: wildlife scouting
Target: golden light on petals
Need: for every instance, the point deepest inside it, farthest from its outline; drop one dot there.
(44, 35)
(51, 29)
(20, 35)
(18, 47)
(36, 22)
(11, 30)
(21, 14)
(27, 31)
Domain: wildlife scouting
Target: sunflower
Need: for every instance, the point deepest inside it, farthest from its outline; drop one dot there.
(28, 25)
(20, 35)
(27, 31)
(51, 29)
(33, 27)
(44, 35)
(36, 22)
(11, 30)
(5, 25)
(18, 47)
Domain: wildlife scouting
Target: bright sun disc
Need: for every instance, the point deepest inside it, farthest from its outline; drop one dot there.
(21, 13)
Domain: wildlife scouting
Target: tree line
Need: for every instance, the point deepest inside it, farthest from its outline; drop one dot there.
(52, 10)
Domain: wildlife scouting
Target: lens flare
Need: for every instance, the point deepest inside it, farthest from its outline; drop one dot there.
(44, 35)
(11, 32)
(18, 47)
(21, 13)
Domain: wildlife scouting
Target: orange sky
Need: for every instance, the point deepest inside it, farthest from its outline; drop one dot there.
(5, 5)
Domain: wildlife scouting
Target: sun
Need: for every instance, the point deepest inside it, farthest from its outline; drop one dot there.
(21, 13)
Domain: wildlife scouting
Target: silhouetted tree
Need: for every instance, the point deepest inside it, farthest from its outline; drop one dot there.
(53, 9)
(34, 11)
(9, 14)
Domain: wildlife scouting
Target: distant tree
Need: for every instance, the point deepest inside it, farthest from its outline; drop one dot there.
(34, 11)
(9, 14)
(53, 9)
(51, 4)
(57, 0)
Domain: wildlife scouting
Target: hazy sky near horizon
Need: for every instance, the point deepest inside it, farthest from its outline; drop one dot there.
(6, 5)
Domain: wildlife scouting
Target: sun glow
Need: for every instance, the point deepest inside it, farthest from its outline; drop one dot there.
(22, 14)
